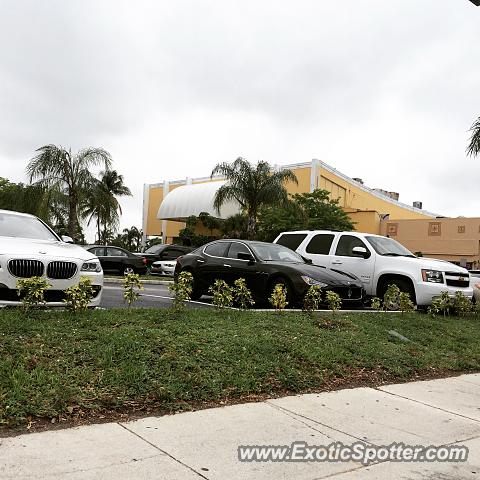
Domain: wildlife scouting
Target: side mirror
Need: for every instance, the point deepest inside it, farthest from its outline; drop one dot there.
(67, 239)
(245, 256)
(360, 252)
(307, 260)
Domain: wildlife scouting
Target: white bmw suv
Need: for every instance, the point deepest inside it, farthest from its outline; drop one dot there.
(29, 248)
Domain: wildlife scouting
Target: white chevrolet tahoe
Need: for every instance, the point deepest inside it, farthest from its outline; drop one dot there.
(378, 262)
(29, 248)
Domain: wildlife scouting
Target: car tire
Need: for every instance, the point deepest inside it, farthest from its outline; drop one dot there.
(402, 284)
(286, 284)
(128, 269)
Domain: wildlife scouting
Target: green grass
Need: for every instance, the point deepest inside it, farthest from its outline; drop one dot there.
(57, 365)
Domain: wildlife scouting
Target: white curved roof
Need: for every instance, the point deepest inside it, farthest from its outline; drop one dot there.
(187, 200)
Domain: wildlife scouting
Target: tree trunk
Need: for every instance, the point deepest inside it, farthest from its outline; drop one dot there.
(98, 229)
(252, 226)
(72, 214)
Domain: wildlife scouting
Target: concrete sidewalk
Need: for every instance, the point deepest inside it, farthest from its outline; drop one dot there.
(203, 444)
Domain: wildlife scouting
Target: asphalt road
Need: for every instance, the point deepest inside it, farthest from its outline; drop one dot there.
(152, 296)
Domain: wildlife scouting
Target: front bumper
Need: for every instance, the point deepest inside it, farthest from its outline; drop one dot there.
(426, 292)
(55, 294)
(162, 270)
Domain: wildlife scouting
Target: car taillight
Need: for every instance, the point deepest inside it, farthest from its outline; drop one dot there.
(144, 260)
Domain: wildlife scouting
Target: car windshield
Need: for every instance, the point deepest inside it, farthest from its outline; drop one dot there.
(270, 252)
(389, 247)
(20, 226)
(155, 249)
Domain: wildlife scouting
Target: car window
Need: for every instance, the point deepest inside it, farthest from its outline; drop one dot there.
(236, 248)
(291, 240)
(271, 252)
(346, 244)
(21, 226)
(320, 244)
(172, 253)
(116, 252)
(98, 251)
(217, 249)
(155, 249)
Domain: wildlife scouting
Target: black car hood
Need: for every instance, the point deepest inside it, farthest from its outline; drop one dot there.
(322, 274)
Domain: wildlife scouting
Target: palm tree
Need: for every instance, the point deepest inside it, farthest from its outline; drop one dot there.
(101, 203)
(57, 169)
(252, 186)
(473, 148)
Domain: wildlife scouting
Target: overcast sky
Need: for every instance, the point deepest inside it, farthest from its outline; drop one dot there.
(383, 90)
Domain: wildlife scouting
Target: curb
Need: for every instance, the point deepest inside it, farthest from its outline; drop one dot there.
(145, 282)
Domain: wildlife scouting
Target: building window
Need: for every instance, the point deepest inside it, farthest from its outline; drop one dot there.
(392, 229)
(434, 229)
(461, 229)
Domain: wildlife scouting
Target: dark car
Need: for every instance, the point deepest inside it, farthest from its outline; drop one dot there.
(118, 260)
(164, 252)
(264, 265)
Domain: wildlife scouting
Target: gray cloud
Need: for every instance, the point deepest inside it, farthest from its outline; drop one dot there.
(378, 89)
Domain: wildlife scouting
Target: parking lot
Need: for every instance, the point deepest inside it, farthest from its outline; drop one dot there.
(152, 296)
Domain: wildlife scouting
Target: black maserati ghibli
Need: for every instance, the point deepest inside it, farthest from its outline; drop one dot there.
(264, 265)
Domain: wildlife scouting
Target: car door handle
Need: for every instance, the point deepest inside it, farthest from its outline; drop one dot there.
(336, 262)
(200, 261)
(227, 265)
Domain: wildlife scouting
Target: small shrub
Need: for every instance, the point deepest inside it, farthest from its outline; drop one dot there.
(405, 304)
(462, 305)
(278, 298)
(131, 287)
(441, 304)
(334, 301)
(242, 295)
(181, 289)
(31, 292)
(391, 299)
(312, 299)
(222, 294)
(79, 296)
(376, 303)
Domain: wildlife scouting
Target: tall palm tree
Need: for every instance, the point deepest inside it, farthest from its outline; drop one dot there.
(252, 186)
(473, 148)
(102, 204)
(57, 169)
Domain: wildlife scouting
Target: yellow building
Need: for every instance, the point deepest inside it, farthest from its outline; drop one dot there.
(166, 205)
(455, 240)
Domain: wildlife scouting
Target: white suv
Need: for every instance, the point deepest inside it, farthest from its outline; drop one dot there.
(378, 262)
(29, 248)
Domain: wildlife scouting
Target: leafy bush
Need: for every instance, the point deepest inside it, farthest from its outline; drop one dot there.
(222, 294)
(462, 305)
(131, 287)
(79, 296)
(31, 292)
(391, 298)
(181, 289)
(376, 303)
(278, 298)
(242, 295)
(441, 304)
(334, 301)
(405, 304)
(312, 299)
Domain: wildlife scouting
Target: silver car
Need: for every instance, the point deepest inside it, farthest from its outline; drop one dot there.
(163, 267)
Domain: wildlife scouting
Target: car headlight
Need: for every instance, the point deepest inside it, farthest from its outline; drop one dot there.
(311, 281)
(434, 276)
(92, 266)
